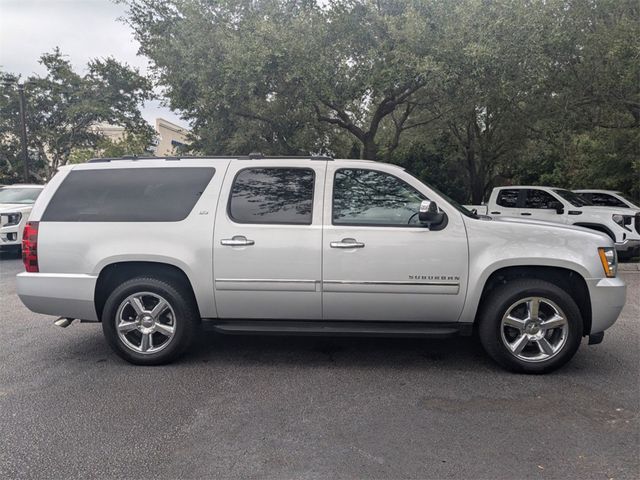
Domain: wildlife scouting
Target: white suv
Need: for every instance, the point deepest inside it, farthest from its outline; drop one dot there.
(156, 248)
(15, 206)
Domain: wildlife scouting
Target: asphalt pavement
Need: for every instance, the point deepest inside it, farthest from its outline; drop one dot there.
(310, 408)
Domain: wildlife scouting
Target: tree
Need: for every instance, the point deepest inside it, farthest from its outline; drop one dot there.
(64, 106)
(289, 76)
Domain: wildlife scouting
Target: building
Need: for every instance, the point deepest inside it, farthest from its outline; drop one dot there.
(169, 136)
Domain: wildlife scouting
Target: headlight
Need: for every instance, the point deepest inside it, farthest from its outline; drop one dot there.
(622, 220)
(12, 218)
(609, 261)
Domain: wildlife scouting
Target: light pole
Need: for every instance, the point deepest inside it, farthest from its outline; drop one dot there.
(23, 127)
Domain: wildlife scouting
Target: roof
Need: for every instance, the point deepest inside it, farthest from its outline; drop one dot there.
(532, 186)
(595, 190)
(251, 156)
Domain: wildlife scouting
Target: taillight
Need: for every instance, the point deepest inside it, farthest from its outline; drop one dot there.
(30, 247)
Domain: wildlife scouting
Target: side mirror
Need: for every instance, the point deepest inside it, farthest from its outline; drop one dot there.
(429, 214)
(557, 206)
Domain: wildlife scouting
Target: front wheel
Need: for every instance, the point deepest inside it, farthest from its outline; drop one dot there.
(149, 321)
(530, 326)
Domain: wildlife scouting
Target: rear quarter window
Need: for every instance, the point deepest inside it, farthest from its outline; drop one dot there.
(128, 195)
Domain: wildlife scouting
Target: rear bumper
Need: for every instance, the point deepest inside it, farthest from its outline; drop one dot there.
(607, 300)
(58, 294)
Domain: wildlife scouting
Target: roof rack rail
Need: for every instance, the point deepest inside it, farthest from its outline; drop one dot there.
(251, 156)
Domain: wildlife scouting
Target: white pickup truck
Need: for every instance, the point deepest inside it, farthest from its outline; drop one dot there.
(564, 206)
(156, 248)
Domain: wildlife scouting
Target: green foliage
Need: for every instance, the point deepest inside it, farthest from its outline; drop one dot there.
(465, 93)
(63, 107)
(129, 144)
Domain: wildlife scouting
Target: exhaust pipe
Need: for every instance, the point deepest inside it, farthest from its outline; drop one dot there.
(63, 322)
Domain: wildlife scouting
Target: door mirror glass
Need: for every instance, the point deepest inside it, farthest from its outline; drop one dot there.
(429, 213)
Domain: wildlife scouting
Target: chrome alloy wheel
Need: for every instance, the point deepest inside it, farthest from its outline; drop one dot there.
(145, 322)
(534, 329)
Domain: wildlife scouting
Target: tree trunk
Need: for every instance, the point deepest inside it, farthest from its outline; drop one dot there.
(369, 150)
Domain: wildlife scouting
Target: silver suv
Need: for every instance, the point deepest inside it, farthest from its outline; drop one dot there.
(156, 248)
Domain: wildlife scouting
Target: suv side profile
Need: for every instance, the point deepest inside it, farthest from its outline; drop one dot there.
(156, 248)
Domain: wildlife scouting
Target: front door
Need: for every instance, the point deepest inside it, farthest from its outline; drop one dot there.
(539, 205)
(267, 241)
(379, 263)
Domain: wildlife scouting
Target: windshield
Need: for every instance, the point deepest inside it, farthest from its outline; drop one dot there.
(454, 204)
(24, 196)
(573, 198)
(628, 199)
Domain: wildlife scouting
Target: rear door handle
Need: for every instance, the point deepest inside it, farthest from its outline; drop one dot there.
(526, 213)
(237, 241)
(347, 243)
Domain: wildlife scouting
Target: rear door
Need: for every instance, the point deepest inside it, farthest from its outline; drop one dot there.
(268, 240)
(507, 203)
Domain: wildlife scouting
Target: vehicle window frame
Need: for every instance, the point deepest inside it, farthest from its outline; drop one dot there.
(377, 225)
(49, 214)
(619, 203)
(519, 200)
(271, 167)
(525, 196)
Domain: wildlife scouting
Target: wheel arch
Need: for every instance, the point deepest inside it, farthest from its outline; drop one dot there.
(569, 280)
(116, 273)
(598, 227)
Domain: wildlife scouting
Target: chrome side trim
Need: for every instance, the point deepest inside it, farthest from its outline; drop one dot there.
(366, 286)
(266, 284)
(371, 282)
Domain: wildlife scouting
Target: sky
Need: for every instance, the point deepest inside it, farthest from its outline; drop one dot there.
(83, 29)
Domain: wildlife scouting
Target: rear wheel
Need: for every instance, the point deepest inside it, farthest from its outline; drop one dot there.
(149, 321)
(530, 326)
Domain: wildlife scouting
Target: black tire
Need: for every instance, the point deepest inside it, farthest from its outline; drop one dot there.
(501, 299)
(185, 319)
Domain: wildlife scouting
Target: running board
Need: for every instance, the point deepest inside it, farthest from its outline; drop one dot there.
(338, 328)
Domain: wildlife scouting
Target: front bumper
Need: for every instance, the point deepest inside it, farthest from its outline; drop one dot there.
(10, 238)
(608, 296)
(628, 248)
(60, 294)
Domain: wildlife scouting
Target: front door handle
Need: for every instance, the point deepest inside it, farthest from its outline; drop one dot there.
(526, 214)
(237, 241)
(347, 243)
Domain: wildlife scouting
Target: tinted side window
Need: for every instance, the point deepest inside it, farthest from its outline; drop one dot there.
(508, 198)
(538, 199)
(606, 200)
(273, 195)
(369, 197)
(128, 195)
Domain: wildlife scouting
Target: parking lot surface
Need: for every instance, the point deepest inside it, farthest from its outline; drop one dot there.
(295, 407)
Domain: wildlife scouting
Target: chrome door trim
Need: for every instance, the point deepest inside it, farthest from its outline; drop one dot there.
(368, 286)
(371, 282)
(266, 284)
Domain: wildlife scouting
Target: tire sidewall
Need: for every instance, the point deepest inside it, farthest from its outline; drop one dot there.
(184, 320)
(498, 304)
